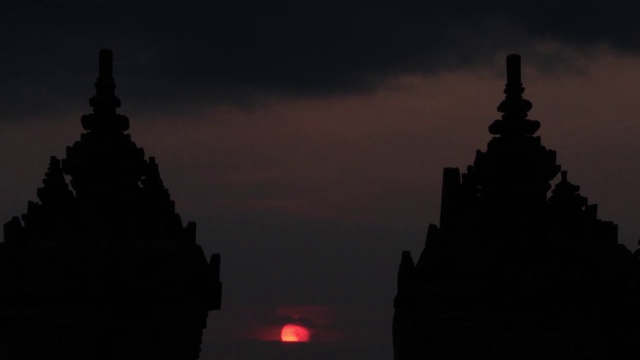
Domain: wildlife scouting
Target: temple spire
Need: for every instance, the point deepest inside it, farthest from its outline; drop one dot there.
(514, 107)
(105, 102)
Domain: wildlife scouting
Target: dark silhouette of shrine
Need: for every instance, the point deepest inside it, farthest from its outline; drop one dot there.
(513, 272)
(104, 269)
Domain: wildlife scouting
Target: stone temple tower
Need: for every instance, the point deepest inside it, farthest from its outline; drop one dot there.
(517, 268)
(104, 268)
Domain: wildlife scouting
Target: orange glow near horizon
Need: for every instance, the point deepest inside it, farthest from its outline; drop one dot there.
(294, 333)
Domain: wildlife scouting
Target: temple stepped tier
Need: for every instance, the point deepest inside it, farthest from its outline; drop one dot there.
(104, 268)
(514, 270)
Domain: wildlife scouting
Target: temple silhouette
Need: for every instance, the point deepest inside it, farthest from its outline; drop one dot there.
(517, 268)
(104, 268)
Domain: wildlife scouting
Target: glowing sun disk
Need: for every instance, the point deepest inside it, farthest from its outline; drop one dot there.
(294, 333)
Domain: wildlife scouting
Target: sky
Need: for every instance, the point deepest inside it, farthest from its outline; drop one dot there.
(307, 139)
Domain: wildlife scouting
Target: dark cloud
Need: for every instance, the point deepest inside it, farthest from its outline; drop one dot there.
(238, 52)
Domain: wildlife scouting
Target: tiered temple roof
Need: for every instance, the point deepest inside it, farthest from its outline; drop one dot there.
(104, 268)
(511, 272)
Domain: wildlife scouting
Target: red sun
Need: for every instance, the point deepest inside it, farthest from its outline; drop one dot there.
(294, 333)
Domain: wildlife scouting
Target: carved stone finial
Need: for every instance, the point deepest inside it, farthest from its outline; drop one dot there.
(514, 107)
(513, 69)
(566, 194)
(105, 64)
(105, 102)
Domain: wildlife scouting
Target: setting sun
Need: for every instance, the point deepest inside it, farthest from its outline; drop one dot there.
(294, 333)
